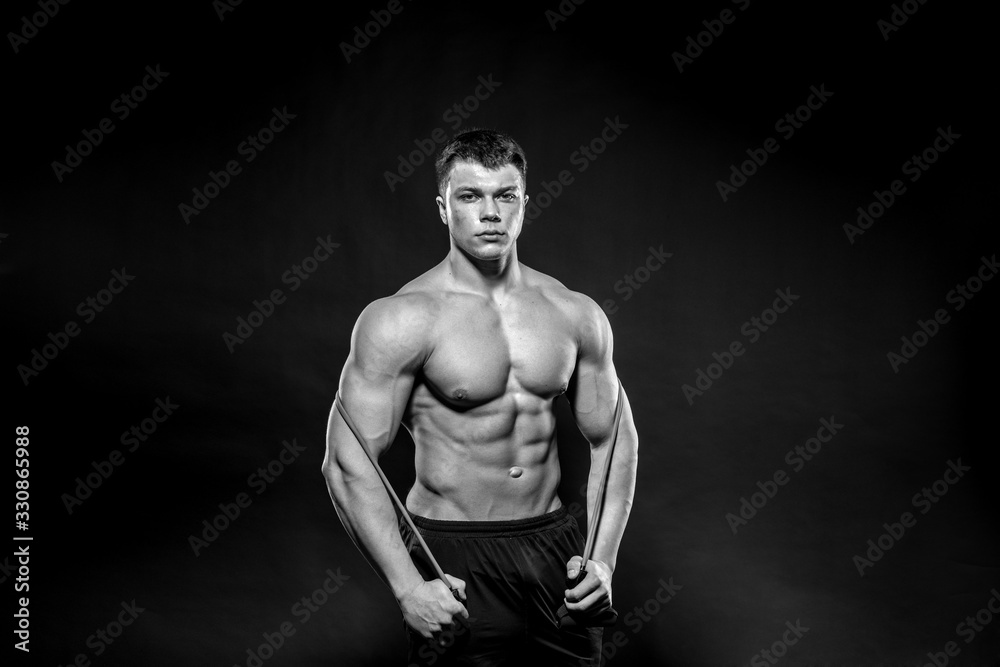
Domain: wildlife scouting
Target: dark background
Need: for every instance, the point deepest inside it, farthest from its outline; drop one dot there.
(655, 185)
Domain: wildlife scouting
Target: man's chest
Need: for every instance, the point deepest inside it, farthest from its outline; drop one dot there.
(482, 351)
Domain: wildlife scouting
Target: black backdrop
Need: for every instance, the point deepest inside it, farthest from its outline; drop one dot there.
(654, 187)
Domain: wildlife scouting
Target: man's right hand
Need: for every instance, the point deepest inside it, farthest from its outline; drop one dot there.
(430, 608)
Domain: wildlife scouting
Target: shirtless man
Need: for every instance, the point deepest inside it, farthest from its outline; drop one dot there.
(470, 357)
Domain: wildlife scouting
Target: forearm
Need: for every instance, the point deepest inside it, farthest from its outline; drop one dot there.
(618, 495)
(368, 515)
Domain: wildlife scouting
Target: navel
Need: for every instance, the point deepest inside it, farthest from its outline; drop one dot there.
(516, 472)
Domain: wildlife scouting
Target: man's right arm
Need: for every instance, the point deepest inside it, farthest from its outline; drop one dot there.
(388, 347)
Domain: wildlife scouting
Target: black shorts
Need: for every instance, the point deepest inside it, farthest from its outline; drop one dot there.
(515, 577)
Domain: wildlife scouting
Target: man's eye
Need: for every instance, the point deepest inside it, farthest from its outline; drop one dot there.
(466, 197)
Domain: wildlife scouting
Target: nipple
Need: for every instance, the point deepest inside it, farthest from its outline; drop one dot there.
(516, 472)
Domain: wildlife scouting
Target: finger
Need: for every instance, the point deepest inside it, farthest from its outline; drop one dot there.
(597, 599)
(429, 631)
(450, 608)
(454, 607)
(447, 610)
(457, 584)
(583, 588)
(573, 567)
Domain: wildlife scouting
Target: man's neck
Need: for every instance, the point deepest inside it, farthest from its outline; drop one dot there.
(491, 278)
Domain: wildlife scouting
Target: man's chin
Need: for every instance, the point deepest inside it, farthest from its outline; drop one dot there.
(491, 252)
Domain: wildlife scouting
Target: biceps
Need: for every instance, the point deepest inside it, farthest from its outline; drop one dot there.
(594, 395)
(375, 400)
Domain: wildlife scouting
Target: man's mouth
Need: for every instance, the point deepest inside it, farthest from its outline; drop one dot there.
(490, 233)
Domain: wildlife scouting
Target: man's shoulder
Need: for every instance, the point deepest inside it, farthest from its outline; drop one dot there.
(392, 332)
(403, 315)
(576, 305)
(589, 322)
(401, 312)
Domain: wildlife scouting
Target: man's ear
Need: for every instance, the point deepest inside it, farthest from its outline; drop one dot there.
(442, 209)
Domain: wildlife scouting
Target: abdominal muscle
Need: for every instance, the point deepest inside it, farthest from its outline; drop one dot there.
(491, 462)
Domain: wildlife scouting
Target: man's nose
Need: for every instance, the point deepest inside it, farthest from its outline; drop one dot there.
(490, 210)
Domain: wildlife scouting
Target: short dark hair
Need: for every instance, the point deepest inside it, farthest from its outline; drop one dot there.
(491, 148)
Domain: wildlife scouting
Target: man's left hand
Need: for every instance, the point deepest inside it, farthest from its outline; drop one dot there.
(593, 594)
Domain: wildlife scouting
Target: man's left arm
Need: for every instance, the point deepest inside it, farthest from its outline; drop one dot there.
(593, 395)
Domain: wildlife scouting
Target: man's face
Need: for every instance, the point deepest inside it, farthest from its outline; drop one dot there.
(483, 208)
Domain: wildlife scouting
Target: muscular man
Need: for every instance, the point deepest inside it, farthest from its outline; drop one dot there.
(470, 357)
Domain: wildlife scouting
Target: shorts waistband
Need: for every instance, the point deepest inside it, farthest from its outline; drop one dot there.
(510, 528)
